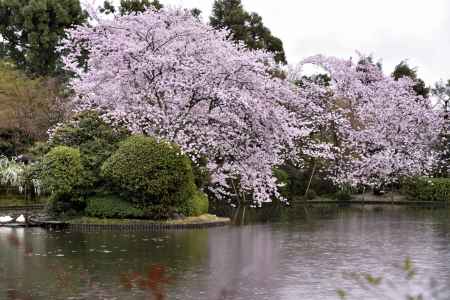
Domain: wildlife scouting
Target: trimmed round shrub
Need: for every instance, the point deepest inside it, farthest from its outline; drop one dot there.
(111, 206)
(61, 171)
(151, 172)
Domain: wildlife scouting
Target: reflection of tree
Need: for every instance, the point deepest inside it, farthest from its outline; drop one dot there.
(241, 258)
(90, 265)
(154, 281)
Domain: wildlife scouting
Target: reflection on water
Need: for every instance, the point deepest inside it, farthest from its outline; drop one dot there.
(293, 258)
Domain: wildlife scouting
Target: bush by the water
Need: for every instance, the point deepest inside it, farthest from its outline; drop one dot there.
(197, 205)
(110, 206)
(428, 189)
(61, 172)
(343, 195)
(153, 174)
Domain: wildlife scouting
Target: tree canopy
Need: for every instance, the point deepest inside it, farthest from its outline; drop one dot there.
(246, 27)
(130, 6)
(31, 31)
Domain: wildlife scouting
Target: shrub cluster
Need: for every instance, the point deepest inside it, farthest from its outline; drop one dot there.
(428, 189)
(149, 178)
(96, 141)
(87, 159)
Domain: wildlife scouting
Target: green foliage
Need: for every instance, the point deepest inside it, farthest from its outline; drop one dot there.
(427, 189)
(19, 178)
(150, 172)
(293, 182)
(311, 194)
(246, 27)
(403, 69)
(110, 206)
(96, 141)
(343, 195)
(13, 141)
(38, 150)
(32, 30)
(131, 6)
(197, 205)
(61, 172)
(201, 173)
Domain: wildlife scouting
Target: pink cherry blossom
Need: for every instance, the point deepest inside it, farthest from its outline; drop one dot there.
(383, 130)
(168, 75)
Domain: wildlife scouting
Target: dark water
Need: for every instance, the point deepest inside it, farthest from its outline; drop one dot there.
(294, 258)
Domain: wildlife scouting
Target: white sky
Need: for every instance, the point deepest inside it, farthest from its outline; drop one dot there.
(391, 30)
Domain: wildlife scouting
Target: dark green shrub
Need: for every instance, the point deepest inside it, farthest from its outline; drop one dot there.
(38, 150)
(13, 142)
(197, 205)
(61, 172)
(201, 173)
(311, 194)
(294, 181)
(110, 206)
(96, 141)
(427, 189)
(343, 195)
(150, 172)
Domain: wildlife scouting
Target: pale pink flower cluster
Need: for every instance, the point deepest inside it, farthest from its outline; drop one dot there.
(384, 131)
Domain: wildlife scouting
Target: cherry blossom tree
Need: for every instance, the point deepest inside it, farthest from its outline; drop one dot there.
(166, 74)
(380, 129)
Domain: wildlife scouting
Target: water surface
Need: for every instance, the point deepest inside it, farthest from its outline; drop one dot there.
(294, 258)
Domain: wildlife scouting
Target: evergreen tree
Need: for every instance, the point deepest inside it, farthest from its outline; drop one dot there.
(127, 7)
(403, 69)
(31, 31)
(246, 27)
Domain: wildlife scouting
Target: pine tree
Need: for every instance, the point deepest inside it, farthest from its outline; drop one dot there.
(246, 27)
(403, 69)
(31, 31)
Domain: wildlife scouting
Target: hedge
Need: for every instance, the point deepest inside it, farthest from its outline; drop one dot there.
(428, 189)
(110, 206)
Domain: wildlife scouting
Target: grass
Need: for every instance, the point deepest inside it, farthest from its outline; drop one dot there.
(206, 218)
(19, 200)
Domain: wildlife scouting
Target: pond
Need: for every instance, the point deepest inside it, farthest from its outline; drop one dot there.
(292, 258)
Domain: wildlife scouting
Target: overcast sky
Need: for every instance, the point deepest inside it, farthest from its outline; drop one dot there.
(391, 30)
